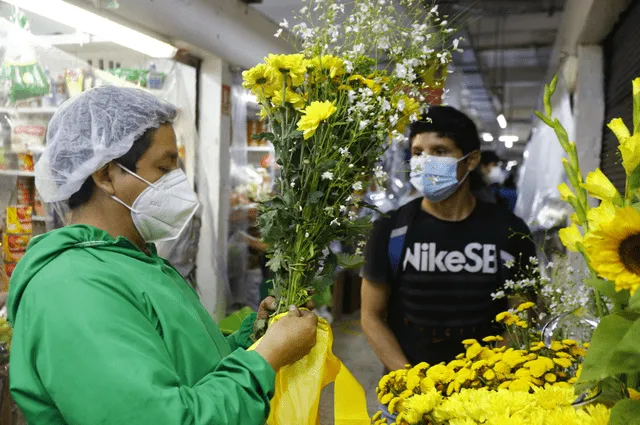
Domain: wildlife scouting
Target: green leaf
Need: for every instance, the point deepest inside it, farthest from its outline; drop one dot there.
(633, 181)
(547, 103)
(315, 197)
(625, 355)
(608, 289)
(625, 412)
(266, 136)
(607, 335)
(350, 261)
(322, 289)
(562, 135)
(634, 302)
(553, 85)
(544, 118)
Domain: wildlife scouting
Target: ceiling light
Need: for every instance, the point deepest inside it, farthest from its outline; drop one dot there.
(509, 139)
(487, 137)
(90, 23)
(508, 144)
(502, 121)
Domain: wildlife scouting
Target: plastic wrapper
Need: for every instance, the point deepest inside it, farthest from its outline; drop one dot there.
(28, 134)
(299, 385)
(19, 220)
(24, 191)
(15, 243)
(539, 203)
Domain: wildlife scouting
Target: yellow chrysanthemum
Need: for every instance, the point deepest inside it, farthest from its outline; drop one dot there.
(395, 405)
(565, 192)
(292, 66)
(562, 362)
(526, 306)
(600, 187)
(440, 373)
(330, 63)
(500, 317)
(557, 346)
(540, 366)
(256, 76)
(416, 407)
(633, 394)
(629, 145)
(313, 115)
(519, 385)
(614, 249)
(570, 237)
(291, 97)
(474, 350)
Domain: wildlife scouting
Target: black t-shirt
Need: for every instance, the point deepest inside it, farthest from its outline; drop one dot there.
(447, 272)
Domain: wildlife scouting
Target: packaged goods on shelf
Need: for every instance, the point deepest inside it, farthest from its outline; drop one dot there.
(19, 220)
(38, 206)
(25, 162)
(9, 268)
(27, 134)
(26, 80)
(25, 191)
(15, 243)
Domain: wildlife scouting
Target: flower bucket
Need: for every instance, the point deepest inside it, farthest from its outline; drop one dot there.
(391, 419)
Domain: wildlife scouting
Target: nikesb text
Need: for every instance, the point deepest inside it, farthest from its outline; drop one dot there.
(424, 257)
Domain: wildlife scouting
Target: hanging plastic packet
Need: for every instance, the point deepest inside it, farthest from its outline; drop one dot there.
(21, 71)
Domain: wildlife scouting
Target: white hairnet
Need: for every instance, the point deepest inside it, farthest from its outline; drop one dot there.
(90, 131)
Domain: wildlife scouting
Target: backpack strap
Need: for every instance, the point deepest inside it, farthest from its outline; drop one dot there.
(400, 223)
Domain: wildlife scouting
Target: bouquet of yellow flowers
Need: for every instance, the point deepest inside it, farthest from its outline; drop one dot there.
(536, 382)
(363, 72)
(608, 237)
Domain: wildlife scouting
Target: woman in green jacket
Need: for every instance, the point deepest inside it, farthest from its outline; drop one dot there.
(105, 331)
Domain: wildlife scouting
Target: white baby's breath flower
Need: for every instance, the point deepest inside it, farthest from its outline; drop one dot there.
(509, 264)
(444, 23)
(497, 295)
(400, 71)
(304, 10)
(343, 208)
(278, 33)
(327, 175)
(379, 172)
(363, 124)
(352, 215)
(434, 10)
(293, 184)
(358, 251)
(344, 152)
(348, 66)
(401, 105)
(284, 23)
(383, 43)
(358, 49)
(334, 222)
(357, 186)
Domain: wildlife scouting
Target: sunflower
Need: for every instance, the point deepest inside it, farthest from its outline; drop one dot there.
(613, 246)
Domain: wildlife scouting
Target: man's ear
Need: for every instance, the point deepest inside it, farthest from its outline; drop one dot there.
(103, 178)
(473, 160)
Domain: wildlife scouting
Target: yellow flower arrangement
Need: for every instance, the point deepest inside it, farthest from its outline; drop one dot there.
(608, 237)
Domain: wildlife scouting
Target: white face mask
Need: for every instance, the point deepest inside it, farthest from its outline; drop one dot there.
(163, 210)
(496, 176)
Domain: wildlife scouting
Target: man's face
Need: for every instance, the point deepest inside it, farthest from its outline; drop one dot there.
(434, 145)
(161, 158)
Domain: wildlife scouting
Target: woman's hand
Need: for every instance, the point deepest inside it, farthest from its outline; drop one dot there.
(289, 339)
(267, 308)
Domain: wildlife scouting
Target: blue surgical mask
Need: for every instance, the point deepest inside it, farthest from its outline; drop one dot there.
(435, 176)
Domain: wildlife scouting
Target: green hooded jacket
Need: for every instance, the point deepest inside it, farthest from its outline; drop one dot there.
(105, 334)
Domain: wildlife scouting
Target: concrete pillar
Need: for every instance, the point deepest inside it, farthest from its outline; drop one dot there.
(213, 186)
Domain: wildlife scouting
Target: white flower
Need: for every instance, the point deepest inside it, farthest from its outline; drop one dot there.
(444, 23)
(497, 295)
(379, 172)
(550, 265)
(363, 124)
(348, 66)
(358, 251)
(357, 186)
(278, 33)
(334, 222)
(352, 215)
(327, 175)
(358, 49)
(306, 235)
(508, 264)
(293, 184)
(344, 152)
(284, 24)
(343, 208)
(400, 71)
(533, 260)
(304, 10)
(383, 43)
(401, 105)
(349, 198)
(434, 10)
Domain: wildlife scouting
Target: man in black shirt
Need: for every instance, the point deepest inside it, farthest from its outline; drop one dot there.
(431, 266)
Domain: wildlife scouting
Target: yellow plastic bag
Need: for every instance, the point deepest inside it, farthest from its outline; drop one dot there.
(298, 387)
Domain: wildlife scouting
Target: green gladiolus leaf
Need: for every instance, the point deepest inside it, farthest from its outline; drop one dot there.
(625, 412)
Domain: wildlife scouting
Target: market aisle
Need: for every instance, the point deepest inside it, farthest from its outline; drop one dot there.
(351, 346)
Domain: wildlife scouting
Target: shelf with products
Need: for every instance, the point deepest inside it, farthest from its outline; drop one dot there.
(29, 110)
(17, 173)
